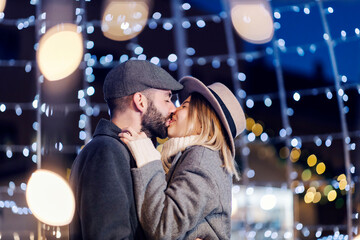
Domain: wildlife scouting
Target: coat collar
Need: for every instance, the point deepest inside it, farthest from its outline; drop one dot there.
(106, 127)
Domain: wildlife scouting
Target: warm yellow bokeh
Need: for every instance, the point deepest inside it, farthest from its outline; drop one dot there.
(320, 168)
(2, 5)
(295, 154)
(60, 51)
(311, 189)
(311, 161)
(317, 197)
(309, 197)
(257, 129)
(332, 195)
(123, 20)
(252, 20)
(50, 198)
(342, 184)
(341, 176)
(249, 123)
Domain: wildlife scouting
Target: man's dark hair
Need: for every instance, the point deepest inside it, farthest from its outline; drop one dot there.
(118, 104)
(121, 104)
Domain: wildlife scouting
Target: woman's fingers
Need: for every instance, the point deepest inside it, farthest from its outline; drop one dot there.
(132, 132)
(126, 141)
(129, 134)
(142, 135)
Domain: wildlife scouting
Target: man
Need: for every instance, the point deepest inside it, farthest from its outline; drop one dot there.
(138, 94)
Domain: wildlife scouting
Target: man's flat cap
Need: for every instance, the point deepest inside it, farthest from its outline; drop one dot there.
(135, 76)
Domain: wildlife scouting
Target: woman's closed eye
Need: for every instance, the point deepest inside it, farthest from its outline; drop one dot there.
(184, 104)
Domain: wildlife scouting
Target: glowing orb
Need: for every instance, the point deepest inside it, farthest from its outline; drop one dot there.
(268, 202)
(123, 20)
(252, 20)
(2, 5)
(60, 51)
(50, 198)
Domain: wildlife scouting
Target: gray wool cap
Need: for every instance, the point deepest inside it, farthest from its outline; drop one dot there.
(135, 76)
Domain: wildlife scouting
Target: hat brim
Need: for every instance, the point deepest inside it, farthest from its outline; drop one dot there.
(192, 85)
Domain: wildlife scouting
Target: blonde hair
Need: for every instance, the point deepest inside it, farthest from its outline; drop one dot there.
(203, 121)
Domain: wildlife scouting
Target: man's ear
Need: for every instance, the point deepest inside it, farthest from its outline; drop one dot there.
(140, 102)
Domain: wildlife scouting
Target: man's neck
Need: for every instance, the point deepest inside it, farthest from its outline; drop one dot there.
(128, 119)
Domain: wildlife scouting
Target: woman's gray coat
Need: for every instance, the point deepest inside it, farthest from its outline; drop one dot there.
(192, 201)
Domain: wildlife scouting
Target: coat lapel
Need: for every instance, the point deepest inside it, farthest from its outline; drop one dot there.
(173, 167)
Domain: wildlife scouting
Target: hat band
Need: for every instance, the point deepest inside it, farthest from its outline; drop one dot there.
(226, 111)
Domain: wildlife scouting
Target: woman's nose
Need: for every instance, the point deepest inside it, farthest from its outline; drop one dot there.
(172, 108)
(177, 109)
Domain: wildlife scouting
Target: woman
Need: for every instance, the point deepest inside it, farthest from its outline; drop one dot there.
(189, 196)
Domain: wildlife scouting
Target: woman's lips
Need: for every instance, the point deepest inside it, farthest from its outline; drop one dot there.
(171, 121)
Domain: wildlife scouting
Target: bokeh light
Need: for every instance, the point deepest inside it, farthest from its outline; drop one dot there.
(257, 129)
(332, 195)
(295, 154)
(50, 198)
(311, 189)
(268, 202)
(284, 152)
(342, 184)
(309, 197)
(123, 20)
(341, 177)
(2, 5)
(60, 51)
(252, 21)
(317, 197)
(249, 123)
(320, 168)
(306, 175)
(311, 160)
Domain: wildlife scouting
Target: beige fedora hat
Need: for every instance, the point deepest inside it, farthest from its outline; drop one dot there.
(223, 102)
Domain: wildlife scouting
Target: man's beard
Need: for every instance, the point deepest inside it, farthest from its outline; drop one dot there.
(153, 122)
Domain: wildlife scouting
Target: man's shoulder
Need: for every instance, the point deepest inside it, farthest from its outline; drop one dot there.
(102, 151)
(104, 146)
(105, 141)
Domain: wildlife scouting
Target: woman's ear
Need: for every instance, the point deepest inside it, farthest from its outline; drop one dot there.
(140, 102)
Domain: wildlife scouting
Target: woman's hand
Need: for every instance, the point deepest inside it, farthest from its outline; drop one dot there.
(140, 146)
(129, 134)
